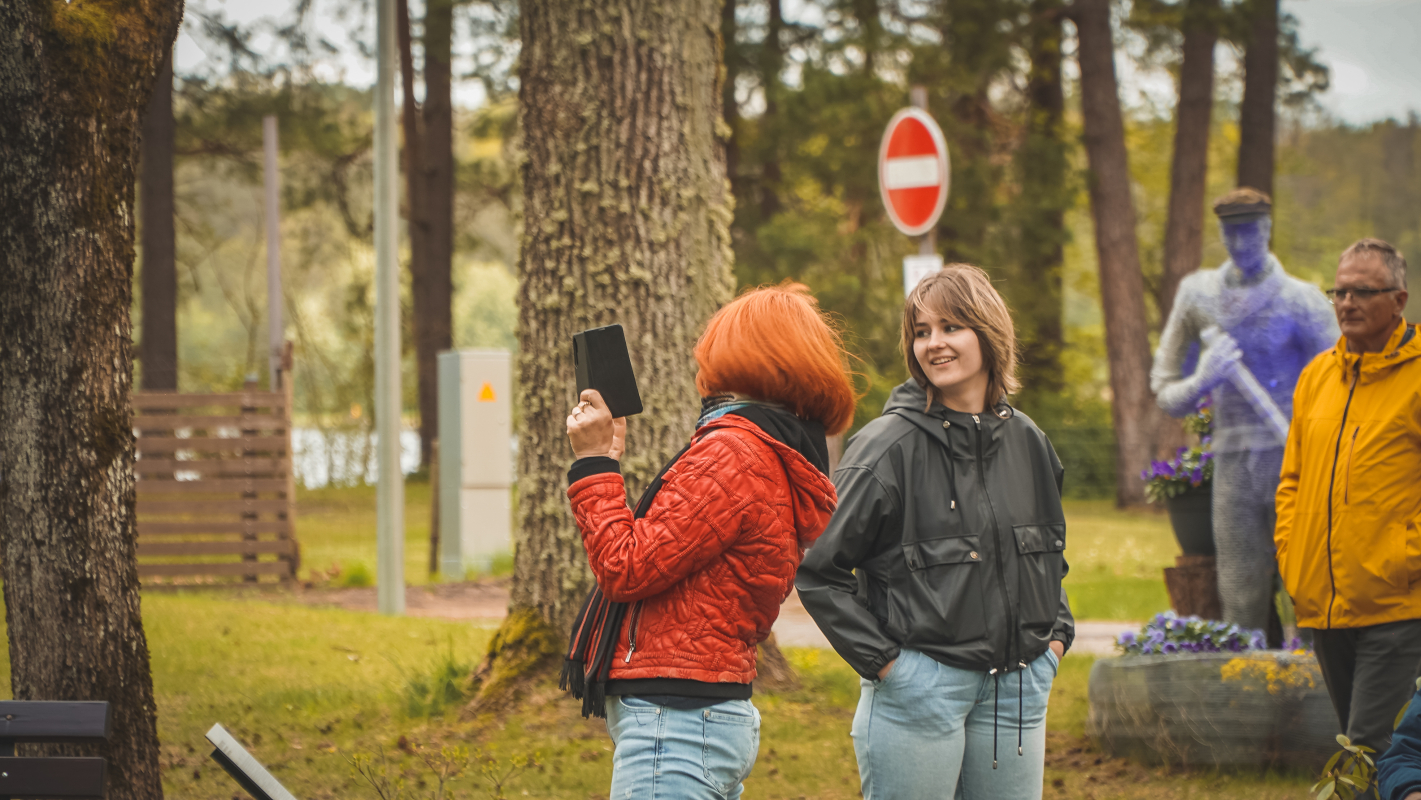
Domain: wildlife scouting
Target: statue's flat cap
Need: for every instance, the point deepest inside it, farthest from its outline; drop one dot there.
(1231, 211)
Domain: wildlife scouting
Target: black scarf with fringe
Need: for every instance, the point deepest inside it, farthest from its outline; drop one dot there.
(588, 664)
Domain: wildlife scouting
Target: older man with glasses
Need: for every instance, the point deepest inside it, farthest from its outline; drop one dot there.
(1349, 498)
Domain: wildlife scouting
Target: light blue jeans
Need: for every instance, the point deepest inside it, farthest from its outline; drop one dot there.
(928, 727)
(669, 754)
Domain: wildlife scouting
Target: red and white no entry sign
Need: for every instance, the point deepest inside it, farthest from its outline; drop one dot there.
(913, 174)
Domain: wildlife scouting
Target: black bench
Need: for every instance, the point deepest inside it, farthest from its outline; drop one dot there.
(244, 769)
(45, 721)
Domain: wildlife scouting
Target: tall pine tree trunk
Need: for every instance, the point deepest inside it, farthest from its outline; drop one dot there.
(1184, 229)
(730, 107)
(772, 63)
(423, 291)
(433, 286)
(75, 80)
(1122, 286)
(1260, 88)
(158, 341)
(1043, 166)
(626, 221)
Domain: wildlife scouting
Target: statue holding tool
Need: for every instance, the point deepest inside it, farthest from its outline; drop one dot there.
(1242, 333)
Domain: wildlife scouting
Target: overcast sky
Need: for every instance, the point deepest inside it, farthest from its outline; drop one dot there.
(1372, 47)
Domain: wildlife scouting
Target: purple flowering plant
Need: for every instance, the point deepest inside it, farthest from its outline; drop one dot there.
(1170, 633)
(1191, 466)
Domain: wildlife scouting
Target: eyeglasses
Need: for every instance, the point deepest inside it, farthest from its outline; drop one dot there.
(1360, 294)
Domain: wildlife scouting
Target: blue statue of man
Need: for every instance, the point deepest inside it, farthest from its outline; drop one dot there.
(1251, 319)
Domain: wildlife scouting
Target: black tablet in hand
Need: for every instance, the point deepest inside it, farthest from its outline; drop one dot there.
(603, 363)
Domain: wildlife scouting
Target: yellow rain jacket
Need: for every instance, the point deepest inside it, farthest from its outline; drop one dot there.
(1349, 499)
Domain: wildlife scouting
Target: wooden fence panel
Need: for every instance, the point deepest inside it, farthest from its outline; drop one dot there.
(216, 491)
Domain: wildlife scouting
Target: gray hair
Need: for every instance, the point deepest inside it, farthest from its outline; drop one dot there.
(1393, 259)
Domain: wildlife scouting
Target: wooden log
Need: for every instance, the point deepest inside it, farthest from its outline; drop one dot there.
(214, 467)
(213, 444)
(1193, 587)
(165, 422)
(284, 547)
(239, 568)
(159, 400)
(228, 486)
(243, 506)
(280, 527)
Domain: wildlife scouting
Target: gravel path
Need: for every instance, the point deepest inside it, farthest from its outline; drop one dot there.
(487, 602)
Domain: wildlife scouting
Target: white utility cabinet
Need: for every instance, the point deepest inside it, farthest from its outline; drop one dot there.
(475, 459)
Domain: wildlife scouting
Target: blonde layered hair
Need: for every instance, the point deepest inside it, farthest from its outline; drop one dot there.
(963, 294)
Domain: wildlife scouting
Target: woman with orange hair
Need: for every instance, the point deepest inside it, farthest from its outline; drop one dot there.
(691, 579)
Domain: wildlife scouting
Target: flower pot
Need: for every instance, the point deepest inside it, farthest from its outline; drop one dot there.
(1252, 709)
(1192, 517)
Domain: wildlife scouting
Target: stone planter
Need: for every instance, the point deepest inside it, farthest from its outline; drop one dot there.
(1253, 709)
(1192, 517)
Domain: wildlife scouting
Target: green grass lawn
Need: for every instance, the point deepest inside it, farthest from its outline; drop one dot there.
(1116, 559)
(336, 529)
(307, 688)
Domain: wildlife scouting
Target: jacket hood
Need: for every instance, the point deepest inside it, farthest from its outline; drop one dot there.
(908, 398)
(811, 493)
(1403, 345)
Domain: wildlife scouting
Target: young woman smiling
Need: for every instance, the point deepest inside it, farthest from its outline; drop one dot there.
(950, 511)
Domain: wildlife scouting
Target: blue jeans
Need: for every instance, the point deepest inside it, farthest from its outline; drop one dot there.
(928, 727)
(669, 754)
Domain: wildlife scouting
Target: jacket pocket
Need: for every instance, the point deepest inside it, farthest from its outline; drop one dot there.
(942, 598)
(1039, 567)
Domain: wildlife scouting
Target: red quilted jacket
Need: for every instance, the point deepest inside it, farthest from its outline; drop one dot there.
(709, 565)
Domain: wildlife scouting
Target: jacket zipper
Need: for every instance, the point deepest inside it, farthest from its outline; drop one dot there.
(631, 632)
(1351, 453)
(997, 539)
(1332, 484)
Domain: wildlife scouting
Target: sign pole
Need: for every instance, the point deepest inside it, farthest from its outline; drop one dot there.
(390, 491)
(276, 333)
(927, 243)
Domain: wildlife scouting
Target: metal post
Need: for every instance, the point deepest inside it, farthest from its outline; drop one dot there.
(390, 493)
(276, 337)
(927, 243)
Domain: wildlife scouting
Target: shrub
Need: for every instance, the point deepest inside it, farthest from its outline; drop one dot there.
(355, 575)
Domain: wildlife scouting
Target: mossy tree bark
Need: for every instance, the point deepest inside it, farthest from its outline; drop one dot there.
(76, 78)
(158, 342)
(627, 213)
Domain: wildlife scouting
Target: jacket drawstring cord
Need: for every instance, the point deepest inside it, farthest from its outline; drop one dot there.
(996, 696)
(951, 472)
(1020, 705)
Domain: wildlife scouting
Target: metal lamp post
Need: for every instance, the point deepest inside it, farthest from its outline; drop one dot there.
(390, 493)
